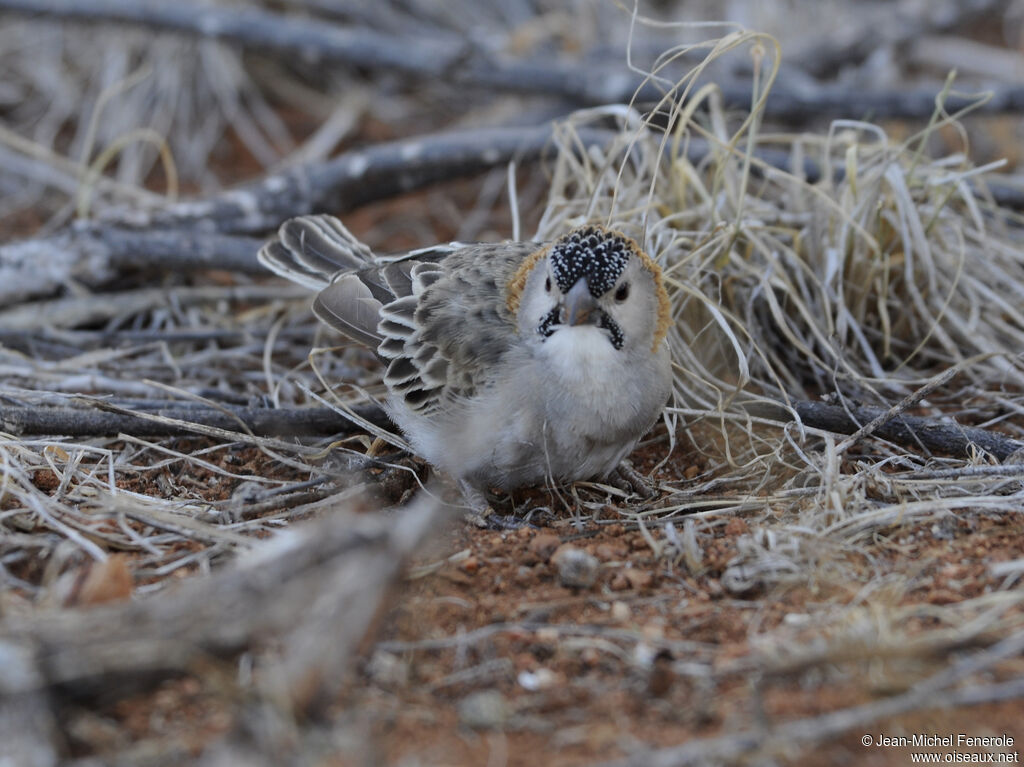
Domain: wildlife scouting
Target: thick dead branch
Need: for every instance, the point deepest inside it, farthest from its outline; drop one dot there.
(734, 747)
(915, 432)
(53, 343)
(78, 311)
(582, 83)
(830, 101)
(356, 178)
(261, 30)
(330, 576)
(174, 422)
(202, 234)
(949, 438)
(785, 103)
(1007, 191)
(908, 431)
(28, 728)
(185, 235)
(850, 45)
(93, 255)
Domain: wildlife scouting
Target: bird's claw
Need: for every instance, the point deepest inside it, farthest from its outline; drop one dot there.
(624, 477)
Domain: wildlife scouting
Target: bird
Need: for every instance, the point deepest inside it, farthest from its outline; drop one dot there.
(508, 364)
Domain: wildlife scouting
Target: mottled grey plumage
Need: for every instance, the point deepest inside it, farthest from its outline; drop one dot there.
(507, 363)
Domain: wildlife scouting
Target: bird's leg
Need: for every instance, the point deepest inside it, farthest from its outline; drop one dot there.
(479, 507)
(481, 510)
(629, 480)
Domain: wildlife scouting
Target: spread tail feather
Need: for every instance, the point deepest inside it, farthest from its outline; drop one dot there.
(311, 249)
(320, 253)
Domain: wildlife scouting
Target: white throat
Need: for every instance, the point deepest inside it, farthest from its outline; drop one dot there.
(580, 357)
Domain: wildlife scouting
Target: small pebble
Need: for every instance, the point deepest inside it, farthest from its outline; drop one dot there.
(576, 568)
(540, 679)
(483, 710)
(544, 545)
(621, 612)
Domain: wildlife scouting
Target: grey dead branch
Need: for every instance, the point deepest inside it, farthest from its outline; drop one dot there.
(469, 65)
(840, 263)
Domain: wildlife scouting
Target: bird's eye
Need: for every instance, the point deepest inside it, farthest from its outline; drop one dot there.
(547, 285)
(622, 292)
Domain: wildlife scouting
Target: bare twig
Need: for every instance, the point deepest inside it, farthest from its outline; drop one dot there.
(76, 422)
(908, 431)
(580, 83)
(87, 310)
(262, 30)
(356, 178)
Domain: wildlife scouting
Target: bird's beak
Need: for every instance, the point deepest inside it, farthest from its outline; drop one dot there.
(579, 307)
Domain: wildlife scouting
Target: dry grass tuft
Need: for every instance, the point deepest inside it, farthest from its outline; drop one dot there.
(869, 273)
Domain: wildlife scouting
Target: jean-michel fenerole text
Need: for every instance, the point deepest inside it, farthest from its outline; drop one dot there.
(958, 740)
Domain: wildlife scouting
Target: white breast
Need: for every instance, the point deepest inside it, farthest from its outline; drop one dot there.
(567, 411)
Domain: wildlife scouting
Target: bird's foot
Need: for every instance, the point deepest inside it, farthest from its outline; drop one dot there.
(481, 511)
(624, 477)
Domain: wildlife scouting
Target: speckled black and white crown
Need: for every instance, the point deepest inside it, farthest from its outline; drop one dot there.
(598, 254)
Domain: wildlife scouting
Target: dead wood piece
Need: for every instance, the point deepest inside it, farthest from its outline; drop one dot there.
(738, 747)
(592, 86)
(204, 234)
(915, 432)
(830, 101)
(355, 178)
(327, 576)
(79, 422)
(263, 30)
(848, 45)
(93, 255)
(946, 52)
(197, 234)
(582, 83)
(78, 311)
(908, 431)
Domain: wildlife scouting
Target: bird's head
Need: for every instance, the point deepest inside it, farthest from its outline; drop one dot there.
(589, 281)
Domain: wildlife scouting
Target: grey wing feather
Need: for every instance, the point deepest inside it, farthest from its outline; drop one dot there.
(347, 305)
(437, 315)
(446, 337)
(398, 277)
